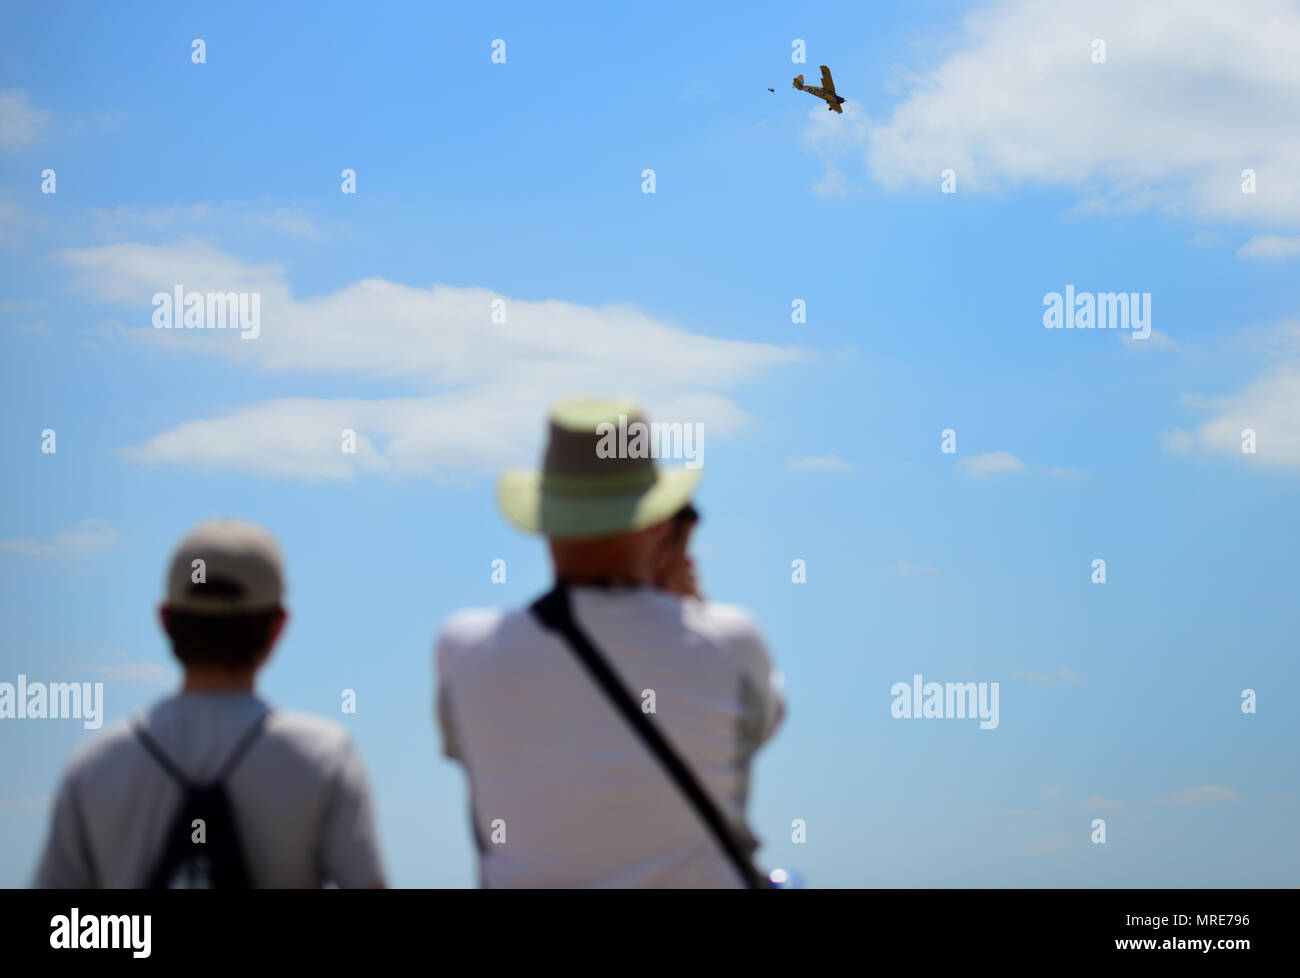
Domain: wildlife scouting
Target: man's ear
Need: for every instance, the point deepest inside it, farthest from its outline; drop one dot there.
(658, 532)
(273, 630)
(276, 627)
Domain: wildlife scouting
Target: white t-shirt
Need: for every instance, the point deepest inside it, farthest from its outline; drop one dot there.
(300, 797)
(577, 796)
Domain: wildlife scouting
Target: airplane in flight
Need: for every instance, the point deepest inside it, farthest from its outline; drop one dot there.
(826, 92)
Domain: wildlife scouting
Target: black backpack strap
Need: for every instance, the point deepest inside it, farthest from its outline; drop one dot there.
(241, 748)
(160, 755)
(554, 613)
(167, 764)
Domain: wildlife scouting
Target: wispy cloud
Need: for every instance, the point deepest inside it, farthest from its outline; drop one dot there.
(907, 570)
(1156, 340)
(147, 673)
(1282, 798)
(990, 108)
(480, 385)
(1100, 803)
(835, 139)
(285, 221)
(1045, 845)
(1209, 794)
(832, 183)
(1066, 475)
(126, 222)
(1281, 338)
(1269, 407)
(1048, 678)
(89, 534)
(989, 464)
(129, 218)
(16, 222)
(821, 463)
(31, 805)
(1006, 812)
(1270, 247)
(21, 124)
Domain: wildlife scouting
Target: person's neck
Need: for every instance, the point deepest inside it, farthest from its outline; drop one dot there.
(217, 681)
(602, 580)
(591, 572)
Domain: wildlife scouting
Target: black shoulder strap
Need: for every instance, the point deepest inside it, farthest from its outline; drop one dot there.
(241, 748)
(177, 775)
(554, 613)
(160, 755)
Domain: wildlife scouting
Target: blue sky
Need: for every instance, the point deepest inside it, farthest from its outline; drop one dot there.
(523, 181)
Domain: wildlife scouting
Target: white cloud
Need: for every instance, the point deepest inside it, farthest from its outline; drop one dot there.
(127, 221)
(132, 273)
(9, 306)
(148, 673)
(990, 463)
(835, 138)
(22, 313)
(15, 222)
(821, 463)
(1281, 338)
(1006, 812)
(1068, 475)
(1192, 92)
(20, 124)
(285, 221)
(1204, 795)
(1270, 247)
(127, 218)
(479, 388)
(1048, 678)
(1045, 845)
(1282, 798)
(832, 183)
(1270, 407)
(1099, 803)
(24, 806)
(89, 534)
(907, 570)
(1155, 340)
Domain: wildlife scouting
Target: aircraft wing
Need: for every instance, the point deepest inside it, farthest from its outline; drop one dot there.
(835, 107)
(827, 82)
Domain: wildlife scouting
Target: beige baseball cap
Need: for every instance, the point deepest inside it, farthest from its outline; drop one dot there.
(225, 567)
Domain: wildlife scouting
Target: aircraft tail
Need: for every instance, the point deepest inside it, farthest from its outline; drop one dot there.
(798, 82)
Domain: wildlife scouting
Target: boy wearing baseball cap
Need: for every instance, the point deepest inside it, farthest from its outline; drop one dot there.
(283, 798)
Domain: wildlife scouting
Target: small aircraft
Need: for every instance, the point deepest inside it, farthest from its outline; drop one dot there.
(826, 92)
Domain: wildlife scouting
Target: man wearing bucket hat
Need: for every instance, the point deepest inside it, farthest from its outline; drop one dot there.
(211, 787)
(607, 730)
